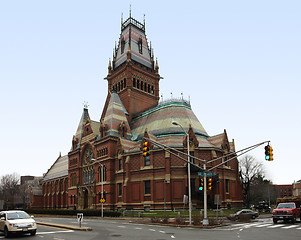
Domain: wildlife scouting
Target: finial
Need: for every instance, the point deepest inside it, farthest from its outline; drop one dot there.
(121, 18)
(157, 66)
(85, 105)
(130, 11)
(144, 20)
(110, 65)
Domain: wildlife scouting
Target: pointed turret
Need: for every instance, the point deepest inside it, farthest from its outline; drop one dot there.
(115, 118)
(80, 129)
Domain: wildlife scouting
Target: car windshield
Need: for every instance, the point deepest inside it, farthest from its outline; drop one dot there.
(17, 215)
(286, 205)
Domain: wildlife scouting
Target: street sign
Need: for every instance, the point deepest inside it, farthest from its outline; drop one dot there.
(80, 218)
(208, 174)
(102, 200)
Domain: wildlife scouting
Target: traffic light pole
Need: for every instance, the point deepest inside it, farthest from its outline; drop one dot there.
(204, 169)
(205, 220)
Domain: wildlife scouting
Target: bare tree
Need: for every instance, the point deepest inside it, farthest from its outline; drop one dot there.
(249, 171)
(9, 185)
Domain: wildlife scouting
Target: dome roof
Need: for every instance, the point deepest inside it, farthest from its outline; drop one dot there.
(158, 120)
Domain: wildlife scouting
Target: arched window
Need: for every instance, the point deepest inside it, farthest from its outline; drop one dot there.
(122, 45)
(140, 45)
(134, 82)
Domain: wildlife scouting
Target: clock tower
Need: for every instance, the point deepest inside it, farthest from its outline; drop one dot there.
(133, 73)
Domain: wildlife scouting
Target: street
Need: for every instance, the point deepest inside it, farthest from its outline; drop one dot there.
(108, 229)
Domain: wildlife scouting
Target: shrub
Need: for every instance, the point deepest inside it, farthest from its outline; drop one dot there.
(68, 212)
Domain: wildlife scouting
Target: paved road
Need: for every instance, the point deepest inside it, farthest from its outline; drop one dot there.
(107, 229)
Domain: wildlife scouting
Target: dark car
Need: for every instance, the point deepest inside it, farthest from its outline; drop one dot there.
(243, 214)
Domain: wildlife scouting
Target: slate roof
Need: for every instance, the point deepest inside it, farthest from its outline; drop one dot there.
(84, 118)
(131, 33)
(115, 116)
(217, 140)
(58, 169)
(158, 121)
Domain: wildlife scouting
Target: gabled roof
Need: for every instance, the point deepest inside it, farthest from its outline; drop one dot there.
(158, 120)
(115, 116)
(133, 39)
(58, 169)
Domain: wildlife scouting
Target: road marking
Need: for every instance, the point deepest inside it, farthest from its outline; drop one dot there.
(172, 236)
(153, 230)
(263, 225)
(276, 226)
(291, 226)
(43, 233)
(138, 228)
(252, 225)
(162, 231)
(121, 226)
(239, 224)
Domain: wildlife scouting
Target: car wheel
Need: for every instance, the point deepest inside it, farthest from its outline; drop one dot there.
(6, 232)
(236, 218)
(275, 220)
(253, 216)
(33, 232)
(294, 219)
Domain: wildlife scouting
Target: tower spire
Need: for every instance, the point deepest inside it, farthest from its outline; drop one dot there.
(130, 10)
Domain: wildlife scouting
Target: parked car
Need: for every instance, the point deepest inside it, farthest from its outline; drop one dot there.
(16, 221)
(263, 207)
(287, 211)
(243, 214)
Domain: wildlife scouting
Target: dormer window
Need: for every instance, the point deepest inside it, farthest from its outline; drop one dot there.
(140, 45)
(122, 45)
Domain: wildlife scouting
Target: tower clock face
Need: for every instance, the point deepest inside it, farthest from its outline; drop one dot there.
(88, 155)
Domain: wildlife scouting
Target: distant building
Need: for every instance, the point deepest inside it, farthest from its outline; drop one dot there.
(107, 154)
(31, 192)
(297, 189)
(284, 190)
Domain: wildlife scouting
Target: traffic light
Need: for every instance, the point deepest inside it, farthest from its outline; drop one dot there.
(201, 187)
(267, 152)
(271, 154)
(145, 149)
(209, 184)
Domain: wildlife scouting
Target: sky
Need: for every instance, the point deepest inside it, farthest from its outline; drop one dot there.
(237, 61)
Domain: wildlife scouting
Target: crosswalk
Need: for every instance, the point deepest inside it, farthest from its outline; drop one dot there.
(265, 225)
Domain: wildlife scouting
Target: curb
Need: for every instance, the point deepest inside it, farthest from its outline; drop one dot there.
(65, 226)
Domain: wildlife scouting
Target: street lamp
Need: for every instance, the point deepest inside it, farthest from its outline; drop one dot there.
(188, 168)
(101, 189)
(99, 164)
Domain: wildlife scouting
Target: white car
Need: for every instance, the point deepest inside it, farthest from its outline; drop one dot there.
(16, 221)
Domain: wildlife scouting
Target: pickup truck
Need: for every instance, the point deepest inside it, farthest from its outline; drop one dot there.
(286, 211)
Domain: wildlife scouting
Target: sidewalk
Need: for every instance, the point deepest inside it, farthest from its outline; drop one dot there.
(70, 227)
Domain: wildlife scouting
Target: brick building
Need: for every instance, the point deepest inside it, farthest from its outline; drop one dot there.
(110, 149)
(284, 190)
